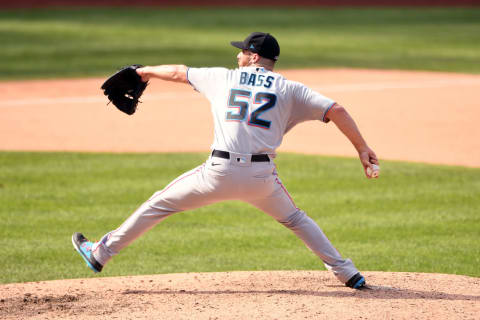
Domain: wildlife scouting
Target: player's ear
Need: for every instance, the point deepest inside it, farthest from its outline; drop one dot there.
(255, 57)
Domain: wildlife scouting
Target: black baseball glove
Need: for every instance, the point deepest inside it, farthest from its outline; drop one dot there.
(124, 88)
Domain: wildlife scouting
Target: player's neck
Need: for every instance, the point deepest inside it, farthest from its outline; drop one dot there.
(261, 65)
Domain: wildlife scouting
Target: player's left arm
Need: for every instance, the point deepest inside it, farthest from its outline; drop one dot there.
(348, 127)
(175, 73)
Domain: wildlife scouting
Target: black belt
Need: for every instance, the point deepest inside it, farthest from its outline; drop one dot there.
(255, 157)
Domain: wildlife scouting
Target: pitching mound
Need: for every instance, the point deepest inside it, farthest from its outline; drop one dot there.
(245, 295)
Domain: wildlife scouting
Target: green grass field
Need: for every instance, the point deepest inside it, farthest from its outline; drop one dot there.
(417, 217)
(40, 43)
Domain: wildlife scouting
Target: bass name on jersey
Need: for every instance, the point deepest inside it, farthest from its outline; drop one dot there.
(258, 80)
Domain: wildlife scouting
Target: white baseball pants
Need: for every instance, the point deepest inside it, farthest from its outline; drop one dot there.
(221, 179)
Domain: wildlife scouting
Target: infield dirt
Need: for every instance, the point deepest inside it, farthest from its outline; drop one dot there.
(245, 295)
(413, 116)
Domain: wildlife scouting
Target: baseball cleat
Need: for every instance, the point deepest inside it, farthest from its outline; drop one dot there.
(356, 282)
(84, 248)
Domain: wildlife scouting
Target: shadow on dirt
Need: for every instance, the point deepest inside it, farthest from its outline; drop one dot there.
(374, 292)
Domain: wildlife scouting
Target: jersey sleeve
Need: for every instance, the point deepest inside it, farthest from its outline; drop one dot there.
(309, 104)
(207, 80)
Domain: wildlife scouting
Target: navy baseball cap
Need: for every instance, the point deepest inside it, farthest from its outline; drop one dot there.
(262, 43)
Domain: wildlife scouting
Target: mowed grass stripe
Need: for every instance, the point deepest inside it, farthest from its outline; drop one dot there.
(416, 217)
(39, 43)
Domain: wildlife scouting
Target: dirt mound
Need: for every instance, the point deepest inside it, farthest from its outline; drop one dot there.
(245, 295)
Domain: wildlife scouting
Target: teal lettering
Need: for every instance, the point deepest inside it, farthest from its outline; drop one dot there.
(269, 82)
(260, 79)
(251, 80)
(243, 77)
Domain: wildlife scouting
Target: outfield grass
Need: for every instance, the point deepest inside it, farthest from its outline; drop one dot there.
(39, 43)
(417, 217)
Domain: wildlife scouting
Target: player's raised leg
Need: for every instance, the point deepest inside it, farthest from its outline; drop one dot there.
(190, 190)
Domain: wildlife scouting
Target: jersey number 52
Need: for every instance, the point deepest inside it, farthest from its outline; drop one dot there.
(235, 101)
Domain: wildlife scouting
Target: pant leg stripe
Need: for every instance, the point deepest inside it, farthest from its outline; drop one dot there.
(164, 189)
(285, 190)
(180, 179)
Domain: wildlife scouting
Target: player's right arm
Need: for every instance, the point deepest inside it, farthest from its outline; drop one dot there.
(175, 73)
(347, 126)
(311, 105)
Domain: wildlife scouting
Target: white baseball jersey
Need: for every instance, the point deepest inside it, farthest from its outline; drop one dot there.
(253, 108)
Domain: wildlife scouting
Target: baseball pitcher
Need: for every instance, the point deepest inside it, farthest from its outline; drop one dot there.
(252, 107)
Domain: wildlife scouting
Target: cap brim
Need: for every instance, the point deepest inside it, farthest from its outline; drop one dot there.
(238, 44)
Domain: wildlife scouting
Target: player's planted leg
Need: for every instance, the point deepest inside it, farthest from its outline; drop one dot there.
(314, 238)
(280, 206)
